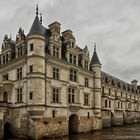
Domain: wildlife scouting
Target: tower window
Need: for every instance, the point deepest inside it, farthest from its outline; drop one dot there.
(31, 95)
(31, 47)
(31, 68)
(105, 103)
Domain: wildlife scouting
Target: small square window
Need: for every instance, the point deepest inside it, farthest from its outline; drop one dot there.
(31, 47)
(31, 95)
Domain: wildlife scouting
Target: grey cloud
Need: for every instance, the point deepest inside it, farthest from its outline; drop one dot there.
(113, 25)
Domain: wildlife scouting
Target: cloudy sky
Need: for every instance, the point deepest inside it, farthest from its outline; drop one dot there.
(113, 24)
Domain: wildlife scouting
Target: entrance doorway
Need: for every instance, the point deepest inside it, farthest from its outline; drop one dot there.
(7, 131)
(73, 124)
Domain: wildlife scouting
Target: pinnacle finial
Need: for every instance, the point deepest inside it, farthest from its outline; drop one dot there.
(40, 18)
(37, 10)
(94, 47)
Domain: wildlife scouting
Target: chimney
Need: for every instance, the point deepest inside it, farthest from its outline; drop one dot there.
(134, 83)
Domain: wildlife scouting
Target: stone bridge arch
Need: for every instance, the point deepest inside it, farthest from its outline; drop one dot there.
(7, 130)
(73, 124)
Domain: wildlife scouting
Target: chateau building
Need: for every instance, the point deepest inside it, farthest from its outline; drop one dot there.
(50, 87)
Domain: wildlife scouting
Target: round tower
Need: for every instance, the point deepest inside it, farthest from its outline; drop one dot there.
(36, 69)
(96, 68)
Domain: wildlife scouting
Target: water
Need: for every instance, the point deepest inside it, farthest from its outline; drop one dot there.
(127, 132)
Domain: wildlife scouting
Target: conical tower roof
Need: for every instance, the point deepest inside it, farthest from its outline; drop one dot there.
(36, 26)
(95, 59)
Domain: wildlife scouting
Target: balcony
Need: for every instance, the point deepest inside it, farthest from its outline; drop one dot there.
(74, 107)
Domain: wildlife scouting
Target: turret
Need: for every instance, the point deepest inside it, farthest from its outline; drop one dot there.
(36, 68)
(96, 69)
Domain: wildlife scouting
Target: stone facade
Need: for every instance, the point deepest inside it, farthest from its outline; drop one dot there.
(49, 87)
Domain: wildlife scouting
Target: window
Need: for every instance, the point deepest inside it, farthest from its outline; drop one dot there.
(3, 59)
(73, 75)
(86, 64)
(55, 51)
(19, 95)
(31, 47)
(88, 115)
(118, 104)
(5, 77)
(72, 58)
(103, 90)
(19, 73)
(86, 82)
(109, 104)
(71, 95)
(31, 68)
(109, 91)
(86, 99)
(55, 95)
(56, 73)
(19, 51)
(6, 58)
(31, 95)
(5, 97)
(121, 105)
(105, 103)
(53, 113)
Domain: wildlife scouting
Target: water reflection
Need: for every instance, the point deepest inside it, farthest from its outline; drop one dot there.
(127, 132)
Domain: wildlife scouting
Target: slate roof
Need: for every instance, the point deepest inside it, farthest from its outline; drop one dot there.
(37, 27)
(95, 59)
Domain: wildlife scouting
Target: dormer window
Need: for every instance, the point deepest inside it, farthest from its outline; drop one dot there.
(86, 64)
(6, 58)
(72, 59)
(19, 51)
(55, 51)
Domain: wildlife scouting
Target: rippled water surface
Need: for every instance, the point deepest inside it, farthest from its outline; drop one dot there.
(127, 132)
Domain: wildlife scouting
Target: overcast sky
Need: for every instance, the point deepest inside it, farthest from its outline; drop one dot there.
(113, 24)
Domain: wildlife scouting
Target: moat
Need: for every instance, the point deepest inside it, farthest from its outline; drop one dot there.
(127, 132)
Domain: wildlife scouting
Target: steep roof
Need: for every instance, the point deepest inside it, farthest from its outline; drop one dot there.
(36, 27)
(95, 59)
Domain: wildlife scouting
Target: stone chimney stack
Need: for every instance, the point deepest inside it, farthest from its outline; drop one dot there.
(134, 83)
